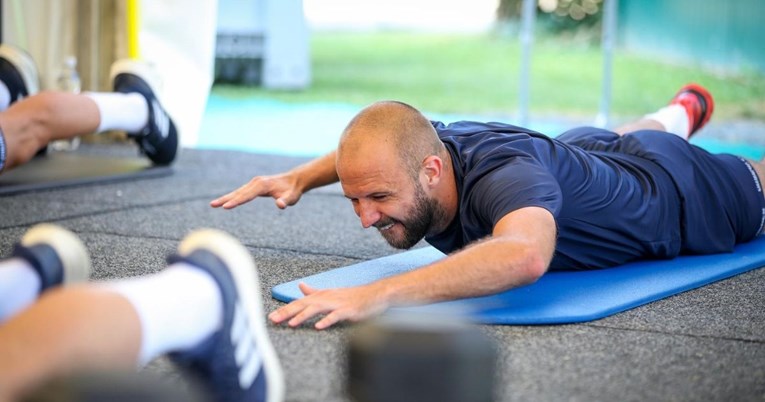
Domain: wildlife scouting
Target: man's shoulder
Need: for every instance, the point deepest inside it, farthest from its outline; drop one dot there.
(468, 128)
(472, 141)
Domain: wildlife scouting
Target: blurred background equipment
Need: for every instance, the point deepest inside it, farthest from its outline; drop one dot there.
(263, 42)
(68, 80)
(420, 358)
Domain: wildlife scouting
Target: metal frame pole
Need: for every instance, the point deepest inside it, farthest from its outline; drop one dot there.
(528, 15)
(608, 39)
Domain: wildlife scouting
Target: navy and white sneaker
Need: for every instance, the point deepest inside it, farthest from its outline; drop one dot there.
(159, 139)
(238, 362)
(18, 72)
(58, 255)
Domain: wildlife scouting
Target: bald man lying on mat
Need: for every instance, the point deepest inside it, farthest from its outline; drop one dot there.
(507, 203)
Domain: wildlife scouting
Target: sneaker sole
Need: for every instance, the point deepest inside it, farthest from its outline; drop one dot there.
(242, 268)
(73, 254)
(25, 66)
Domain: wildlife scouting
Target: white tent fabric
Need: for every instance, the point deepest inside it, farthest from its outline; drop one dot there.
(178, 38)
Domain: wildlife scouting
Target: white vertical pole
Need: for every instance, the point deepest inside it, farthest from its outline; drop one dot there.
(528, 15)
(609, 33)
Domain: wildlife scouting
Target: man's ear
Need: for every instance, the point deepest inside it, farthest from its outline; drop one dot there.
(432, 167)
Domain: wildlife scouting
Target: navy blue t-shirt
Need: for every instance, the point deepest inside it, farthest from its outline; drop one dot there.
(610, 208)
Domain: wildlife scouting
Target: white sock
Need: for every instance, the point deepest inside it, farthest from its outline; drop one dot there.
(19, 287)
(674, 118)
(5, 96)
(128, 112)
(178, 308)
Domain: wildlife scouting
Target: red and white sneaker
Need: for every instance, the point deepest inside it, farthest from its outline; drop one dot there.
(698, 103)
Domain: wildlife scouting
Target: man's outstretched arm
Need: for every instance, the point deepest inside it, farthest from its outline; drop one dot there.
(518, 253)
(286, 188)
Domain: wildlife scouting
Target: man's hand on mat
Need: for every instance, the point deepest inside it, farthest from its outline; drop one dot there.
(283, 188)
(344, 304)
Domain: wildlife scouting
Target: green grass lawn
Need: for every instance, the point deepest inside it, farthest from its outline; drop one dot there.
(479, 74)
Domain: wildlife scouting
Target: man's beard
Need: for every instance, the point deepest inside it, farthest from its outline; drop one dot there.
(417, 225)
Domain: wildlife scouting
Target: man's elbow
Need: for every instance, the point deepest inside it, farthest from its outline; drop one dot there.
(533, 267)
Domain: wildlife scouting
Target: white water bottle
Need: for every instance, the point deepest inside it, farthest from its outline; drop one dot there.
(68, 81)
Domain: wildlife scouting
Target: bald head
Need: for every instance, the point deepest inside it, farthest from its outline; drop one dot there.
(391, 126)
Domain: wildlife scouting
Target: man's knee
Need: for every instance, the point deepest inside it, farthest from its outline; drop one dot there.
(42, 107)
(32, 119)
(26, 127)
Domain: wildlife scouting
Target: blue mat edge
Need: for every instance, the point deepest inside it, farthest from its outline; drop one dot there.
(483, 317)
(753, 254)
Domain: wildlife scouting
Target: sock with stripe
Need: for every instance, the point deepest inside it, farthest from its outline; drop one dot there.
(178, 308)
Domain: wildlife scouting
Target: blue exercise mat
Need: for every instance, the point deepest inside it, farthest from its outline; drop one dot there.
(559, 297)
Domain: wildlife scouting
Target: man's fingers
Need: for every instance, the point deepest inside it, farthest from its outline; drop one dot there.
(304, 315)
(284, 202)
(241, 195)
(221, 200)
(231, 199)
(280, 188)
(337, 304)
(329, 320)
(284, 313)
(289, 311)
(306, 289)
(296, 312)
(238, 200)
(302, 309)
(230, 202)
(287, 198)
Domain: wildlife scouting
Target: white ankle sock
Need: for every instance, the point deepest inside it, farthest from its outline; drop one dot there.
(5, 96)
(674, 118)
(178, 308)
(19, 286)
(119, 111)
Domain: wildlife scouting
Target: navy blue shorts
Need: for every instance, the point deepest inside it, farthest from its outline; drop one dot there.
(720, 194)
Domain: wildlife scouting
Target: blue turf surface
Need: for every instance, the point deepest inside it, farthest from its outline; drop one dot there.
(272, 127)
